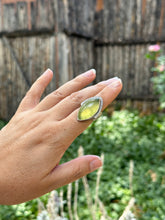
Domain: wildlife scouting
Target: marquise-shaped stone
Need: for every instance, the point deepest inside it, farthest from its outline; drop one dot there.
(90, 109)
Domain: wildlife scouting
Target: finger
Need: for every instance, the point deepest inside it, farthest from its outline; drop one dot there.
(108, 94)
(68, 88)
(72, 102)
(72, 170)
(34, 94)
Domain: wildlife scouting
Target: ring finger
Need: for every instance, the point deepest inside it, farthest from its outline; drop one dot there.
(108, 94)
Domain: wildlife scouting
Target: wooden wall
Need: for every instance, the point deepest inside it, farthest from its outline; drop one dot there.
(129, 63)
(23, 59)
(70, 37)
(131, 21)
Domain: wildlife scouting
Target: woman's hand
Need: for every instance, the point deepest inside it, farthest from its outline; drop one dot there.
(37, 136)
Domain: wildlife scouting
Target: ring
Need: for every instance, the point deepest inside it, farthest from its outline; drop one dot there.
(90, 109)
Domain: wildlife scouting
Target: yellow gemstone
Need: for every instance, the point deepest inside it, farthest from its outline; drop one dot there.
(90, 109)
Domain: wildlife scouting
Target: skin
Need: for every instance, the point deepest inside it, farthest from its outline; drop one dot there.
(37, 136)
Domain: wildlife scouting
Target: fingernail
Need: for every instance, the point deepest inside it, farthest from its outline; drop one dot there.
(116, 83)
(95, 164)
(89, 73)
(94, 71)
(109, 81)
(46, 71)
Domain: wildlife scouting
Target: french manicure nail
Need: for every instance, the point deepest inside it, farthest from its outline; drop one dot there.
(116, 83)
(44, 73)
(89, 73)
(109, 81)
(94, 71)
(95, 164)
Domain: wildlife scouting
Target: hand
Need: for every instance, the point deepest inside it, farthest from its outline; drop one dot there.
(37, 136)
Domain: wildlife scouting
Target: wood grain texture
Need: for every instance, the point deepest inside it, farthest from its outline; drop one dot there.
(105, 21)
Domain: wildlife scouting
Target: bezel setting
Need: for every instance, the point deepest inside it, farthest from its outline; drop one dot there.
(97, 114)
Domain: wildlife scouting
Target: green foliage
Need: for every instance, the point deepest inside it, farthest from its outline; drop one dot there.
(18, 212)
(2, 124)
(150, 56)
(123, 137)
(159, 79)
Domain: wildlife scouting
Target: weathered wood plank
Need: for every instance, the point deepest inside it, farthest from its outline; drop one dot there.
(98, 27)
(138, 18)
(98, 62)
(22, 16)
(137, 65)
(120, 62)
(129, 11)
(157, 17)
(110, 17)
(0, 16)
(122, 16)
(85, 17)
(3, 91)
(104, 63)
(126, 70)
(8, 13)
(63, 59)
(79, 18)
(104, 22)
(61, 9)
(162, 20)
(132, 73)
(111, 63)
(45, 15)
(142, 80)
(151, 25)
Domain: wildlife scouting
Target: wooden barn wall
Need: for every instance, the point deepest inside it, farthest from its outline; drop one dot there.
(31, 16)
(130, 21)
(23, 59)
(129, 63)
(70, 37)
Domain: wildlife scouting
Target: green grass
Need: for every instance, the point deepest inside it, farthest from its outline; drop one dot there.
(123, 137)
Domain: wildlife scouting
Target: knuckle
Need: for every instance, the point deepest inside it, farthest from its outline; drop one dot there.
(78, 80)
(76, 97)
(50, 132)
(32, 93)
(29, 93)
(58, 94)
(77, 172)
(100, 86)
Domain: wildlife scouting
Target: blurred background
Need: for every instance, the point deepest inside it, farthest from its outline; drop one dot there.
(124, 38)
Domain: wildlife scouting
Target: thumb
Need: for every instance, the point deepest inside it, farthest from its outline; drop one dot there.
(73, 170)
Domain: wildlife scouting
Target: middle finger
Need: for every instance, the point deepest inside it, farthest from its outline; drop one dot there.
(72, 102)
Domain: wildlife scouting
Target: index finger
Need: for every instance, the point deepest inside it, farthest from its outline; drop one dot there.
(65, 90)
